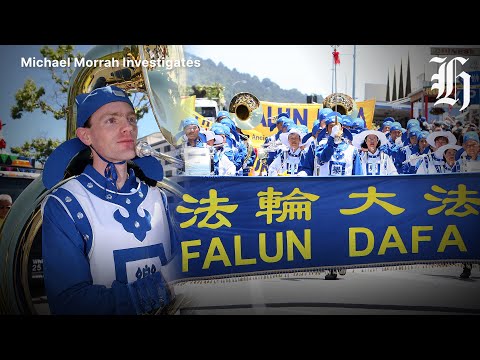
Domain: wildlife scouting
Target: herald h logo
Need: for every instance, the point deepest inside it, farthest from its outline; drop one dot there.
(446, 85)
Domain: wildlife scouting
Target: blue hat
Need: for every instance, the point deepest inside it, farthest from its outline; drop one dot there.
(359, 123)
(386, 123)
(347, 121)
(414, 132)
(470, 135)
(223, 113)
(283, 114)
(331, 118)
(422, 135)
(389, 119)
(281, 117)
(190, 121)
(323, 113)
(87, 104)
(412, 122)
(395, 126)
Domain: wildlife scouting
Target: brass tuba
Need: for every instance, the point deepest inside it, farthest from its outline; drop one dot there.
(343, 104)
(139, 68)
(246, 109)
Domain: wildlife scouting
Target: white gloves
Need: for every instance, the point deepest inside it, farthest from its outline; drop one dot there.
(335, 130)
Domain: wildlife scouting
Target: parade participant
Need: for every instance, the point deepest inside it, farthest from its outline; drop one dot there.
(447, 153)
(411, 162)
(223, 166)
(430, 163)
(317, 161)
(106, 234)
(385, 128)
(5, 206)
(287, 161)
(278, 124)
(407, 151)
(195, 138)
(374, 161)
(209, 137)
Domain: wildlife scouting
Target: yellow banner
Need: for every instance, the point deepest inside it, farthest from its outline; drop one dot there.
(302, 114)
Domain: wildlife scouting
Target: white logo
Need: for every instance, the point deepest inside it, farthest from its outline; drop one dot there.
(446, 76)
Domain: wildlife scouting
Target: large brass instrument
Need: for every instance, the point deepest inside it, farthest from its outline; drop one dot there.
(246, 109)
(20, 239)
(343, 104)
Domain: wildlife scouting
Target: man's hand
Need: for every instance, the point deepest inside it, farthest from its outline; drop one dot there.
(150, 293)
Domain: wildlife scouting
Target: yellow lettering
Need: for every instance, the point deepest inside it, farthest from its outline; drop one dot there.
(352, 237)
(416, 237)
(305, 250)
(398, 243)
(457, 239)
(222, 254)
(238, 253)
(263, 248)
(186, 255)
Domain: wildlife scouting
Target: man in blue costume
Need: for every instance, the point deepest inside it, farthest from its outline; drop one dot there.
(106, 234)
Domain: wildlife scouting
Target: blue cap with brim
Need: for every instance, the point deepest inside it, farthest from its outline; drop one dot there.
(190, 121)
(87, 104)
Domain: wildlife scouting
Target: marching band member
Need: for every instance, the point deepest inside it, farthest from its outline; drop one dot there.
(287, 161)
(106, 233)
(334, 155)
(374, 161)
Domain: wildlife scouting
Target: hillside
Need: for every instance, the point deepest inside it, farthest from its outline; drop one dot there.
(210, 73)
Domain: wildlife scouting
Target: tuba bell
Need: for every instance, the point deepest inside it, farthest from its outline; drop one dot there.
(343, 104)
(20, 237)
(246, 109)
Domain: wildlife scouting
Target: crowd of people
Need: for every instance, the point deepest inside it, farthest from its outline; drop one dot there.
(338, 145)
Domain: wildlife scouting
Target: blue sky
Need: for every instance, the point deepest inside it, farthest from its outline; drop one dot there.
(304, 67)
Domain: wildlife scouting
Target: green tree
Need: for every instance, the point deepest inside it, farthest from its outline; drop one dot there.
(31, 97)
(39, 148)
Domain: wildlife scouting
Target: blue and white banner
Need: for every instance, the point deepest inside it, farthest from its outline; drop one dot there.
(233, 226)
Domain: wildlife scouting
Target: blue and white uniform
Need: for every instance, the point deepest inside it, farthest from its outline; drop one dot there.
(110, 238)
(287, 162)
(378, 163)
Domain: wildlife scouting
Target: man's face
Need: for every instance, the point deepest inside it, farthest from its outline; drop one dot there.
(191, 131)
(413, 140)
(210, 142)
(5, 206)
(472, 148)
(330, 127)
(386, 129)
(113, 131)
(279, 126)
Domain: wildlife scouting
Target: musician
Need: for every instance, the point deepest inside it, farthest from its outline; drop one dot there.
(334, 155)
(374, 161)
(106, 234)
(5, 206)
(287, 161)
